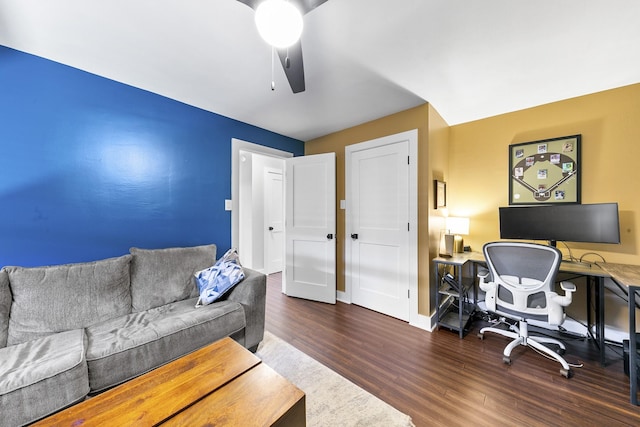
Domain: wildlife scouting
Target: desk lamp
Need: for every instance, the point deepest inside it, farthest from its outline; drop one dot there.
(459, 227)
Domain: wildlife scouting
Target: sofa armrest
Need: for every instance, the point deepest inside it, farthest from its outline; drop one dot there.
(252, 294)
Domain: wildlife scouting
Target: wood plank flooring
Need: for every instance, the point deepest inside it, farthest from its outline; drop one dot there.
(441, 380)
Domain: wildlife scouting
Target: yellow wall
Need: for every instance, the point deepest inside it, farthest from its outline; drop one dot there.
(414, 118)
(609, 123)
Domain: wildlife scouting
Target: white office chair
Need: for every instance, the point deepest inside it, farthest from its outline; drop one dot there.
(520, 285)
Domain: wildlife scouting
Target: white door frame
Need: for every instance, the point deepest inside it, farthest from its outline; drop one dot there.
(238, 145)
(412, 137)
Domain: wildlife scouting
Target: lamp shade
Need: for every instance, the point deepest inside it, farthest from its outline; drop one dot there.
(279, 23)
(458, 225)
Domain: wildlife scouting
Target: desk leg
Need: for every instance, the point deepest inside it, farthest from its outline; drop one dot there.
(436, 265)
(600, 318)
(474, 277)
(461, 303)
(589, 305)
(598, 336)
(633, 369)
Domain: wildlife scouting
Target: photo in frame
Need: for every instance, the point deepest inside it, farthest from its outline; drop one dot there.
(545, 171)
(440, 194)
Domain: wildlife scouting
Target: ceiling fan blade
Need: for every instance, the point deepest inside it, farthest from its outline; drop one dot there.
(305, 6)
(292, 64)
(251, 3)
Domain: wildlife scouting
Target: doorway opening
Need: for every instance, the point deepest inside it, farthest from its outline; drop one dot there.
(256, 170)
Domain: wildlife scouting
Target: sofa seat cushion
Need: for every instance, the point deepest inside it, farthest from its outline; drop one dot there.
(162, 276)
(123, 348)
(43, 376)
(47, 300)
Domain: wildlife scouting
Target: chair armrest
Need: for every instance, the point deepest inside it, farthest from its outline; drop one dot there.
(487, 286)
(483, 273)
(568, 286)
(564, 300)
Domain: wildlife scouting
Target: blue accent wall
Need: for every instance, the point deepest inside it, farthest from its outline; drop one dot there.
(91, 167)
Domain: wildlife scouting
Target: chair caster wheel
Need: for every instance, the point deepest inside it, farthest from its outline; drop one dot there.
(506, 360)
(481, 336)
(567, 373)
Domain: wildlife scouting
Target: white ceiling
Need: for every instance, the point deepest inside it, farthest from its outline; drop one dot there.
(363, 59)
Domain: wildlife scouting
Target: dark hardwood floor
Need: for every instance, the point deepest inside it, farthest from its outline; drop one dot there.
(441, 380)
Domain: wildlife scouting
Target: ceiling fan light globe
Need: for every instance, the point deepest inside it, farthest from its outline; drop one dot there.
(279, 23)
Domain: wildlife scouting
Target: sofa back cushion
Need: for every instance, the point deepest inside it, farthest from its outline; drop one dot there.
(5, 307)
(58, 298)
(163, 276)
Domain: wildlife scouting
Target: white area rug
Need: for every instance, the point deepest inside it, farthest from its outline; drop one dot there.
(331, 399)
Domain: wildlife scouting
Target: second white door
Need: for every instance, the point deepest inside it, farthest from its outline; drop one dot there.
(378, 224)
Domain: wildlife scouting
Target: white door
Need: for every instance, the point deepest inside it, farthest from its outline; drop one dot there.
(379, 228)
(310, 230)
(274, 220)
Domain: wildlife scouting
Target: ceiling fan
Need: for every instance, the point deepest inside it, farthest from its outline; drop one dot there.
(291, 57)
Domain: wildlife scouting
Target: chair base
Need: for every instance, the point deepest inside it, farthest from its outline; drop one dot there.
(520, 336)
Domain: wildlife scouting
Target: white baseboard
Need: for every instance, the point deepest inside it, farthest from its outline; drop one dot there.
(424, 322)
(615, 335)
(342, 297)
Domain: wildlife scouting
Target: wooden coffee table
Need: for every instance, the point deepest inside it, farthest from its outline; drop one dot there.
(221, 384)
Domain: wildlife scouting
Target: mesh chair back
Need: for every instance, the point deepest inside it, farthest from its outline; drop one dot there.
(524, 273)
(528, 260)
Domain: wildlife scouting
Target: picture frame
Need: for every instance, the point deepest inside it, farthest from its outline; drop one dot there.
(545, 171)
(440, 194)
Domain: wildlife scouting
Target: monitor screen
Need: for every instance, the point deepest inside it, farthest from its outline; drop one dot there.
(593, 223)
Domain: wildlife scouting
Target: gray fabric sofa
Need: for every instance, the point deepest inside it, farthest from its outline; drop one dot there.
(71, 331)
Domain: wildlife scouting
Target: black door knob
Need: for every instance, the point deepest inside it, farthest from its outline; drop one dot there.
(270, 228)
(354, 236)
(329, 236)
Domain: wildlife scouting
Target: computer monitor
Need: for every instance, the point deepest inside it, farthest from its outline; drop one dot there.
(592, 223)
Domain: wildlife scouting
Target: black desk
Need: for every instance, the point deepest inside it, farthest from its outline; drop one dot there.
(628, 276)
